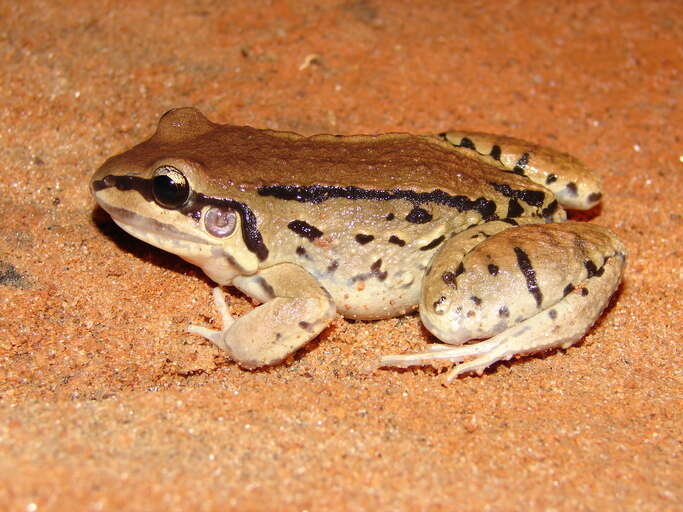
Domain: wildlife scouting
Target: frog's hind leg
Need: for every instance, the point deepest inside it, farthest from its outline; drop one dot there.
(527, 289)
(574, 185)
(295, 310)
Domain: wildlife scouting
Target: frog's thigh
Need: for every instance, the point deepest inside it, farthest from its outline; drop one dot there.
(528, 288)
(295, 310)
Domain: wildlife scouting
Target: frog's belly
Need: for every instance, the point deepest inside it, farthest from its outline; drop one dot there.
(373, 299)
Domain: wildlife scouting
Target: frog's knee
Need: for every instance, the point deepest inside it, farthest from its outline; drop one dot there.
(512, 276)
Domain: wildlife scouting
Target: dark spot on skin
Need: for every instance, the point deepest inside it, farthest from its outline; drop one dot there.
(433, 243)
(300, 251)
(196, 215)
(552, 314)
(438, 302)
(493, 269)
(572, 190)
(364, 239)
(592, 269)
(470, 314)
(495, 152)
(375, 270)
(594, 197)
(306, 326)
(396, 240)
(304, 229)
(476, 300)
(511, 221)
(550, 210)
(550, 179)
(332, 267)
(449, 278)
(584, 292)
(521, 164)
(504, 312)
(460, 269)
(270, 292)
(568, 289)
(390, 216)
(531, 197)
(467, 143)
(278, 336)
(419, 216)
(514, 208)
(529, 274)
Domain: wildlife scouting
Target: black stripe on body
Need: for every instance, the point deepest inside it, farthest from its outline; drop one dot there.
(529, 274)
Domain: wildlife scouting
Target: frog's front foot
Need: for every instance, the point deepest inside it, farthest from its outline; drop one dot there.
(216, 336)
(526, 289)
(295, 310)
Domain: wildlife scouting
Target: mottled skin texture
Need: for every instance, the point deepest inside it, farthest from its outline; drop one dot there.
(461, 225)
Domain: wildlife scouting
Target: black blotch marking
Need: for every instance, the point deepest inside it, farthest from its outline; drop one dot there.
(318, 193)
(521, 164)
(304, 229)
(419, 216)
(332, 267)
(467, 143)
(529, 274)
(363, 239)
(532, 197)
(460, 269)
(449, 278)
(433, 243)
(584, 292)
(552, 314)
(390, 216)
(438, 302)
(306, 326)
(265, 286)
(493, 269)
(476, 300)
(511, 221)
(514, 208)
(374, 272)
(393, 239)
(568, 289)
(572, 190)
(594, 197)
(592, 269)
(495, 152)
(550, 210)
(300, 251)
(504, 312)
(550, 179)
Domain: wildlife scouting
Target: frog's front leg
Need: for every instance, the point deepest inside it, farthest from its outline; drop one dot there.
(527, 289)
(295, 310)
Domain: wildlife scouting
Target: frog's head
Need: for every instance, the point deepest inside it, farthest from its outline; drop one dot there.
(159, 192)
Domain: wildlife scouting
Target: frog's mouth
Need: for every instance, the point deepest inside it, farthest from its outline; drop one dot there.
(152, 231)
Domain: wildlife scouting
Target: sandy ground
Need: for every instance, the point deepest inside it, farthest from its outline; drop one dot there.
(106, 403)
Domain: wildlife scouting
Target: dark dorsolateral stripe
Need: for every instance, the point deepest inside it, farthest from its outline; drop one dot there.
(304, 229)
(319, 193)
(433, 243)
(529, 274)
(532, 197)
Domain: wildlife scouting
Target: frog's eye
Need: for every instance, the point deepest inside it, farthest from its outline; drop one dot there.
(170, 187)
(220, 222)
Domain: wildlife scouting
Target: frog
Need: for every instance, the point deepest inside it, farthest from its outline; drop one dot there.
(467, 228)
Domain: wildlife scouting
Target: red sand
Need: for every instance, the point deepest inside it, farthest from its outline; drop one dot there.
(106, 403)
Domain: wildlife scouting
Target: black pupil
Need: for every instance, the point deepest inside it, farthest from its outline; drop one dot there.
(169, 192)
